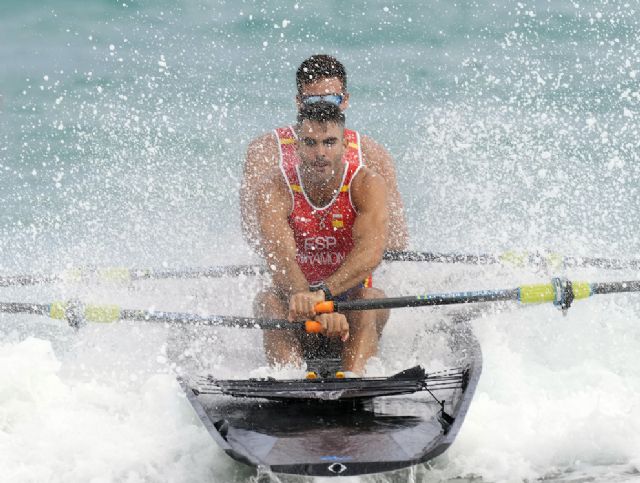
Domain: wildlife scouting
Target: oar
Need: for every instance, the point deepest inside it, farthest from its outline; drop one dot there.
(121, 274)
(560, 291)
(76, 314)
(515, 258)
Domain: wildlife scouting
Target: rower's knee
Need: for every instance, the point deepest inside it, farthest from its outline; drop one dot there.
(373, 293)
(366, 293)
(279, 345)
(268, 304)
(377, 318)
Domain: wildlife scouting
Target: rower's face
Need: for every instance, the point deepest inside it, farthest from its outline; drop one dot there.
(320, 147)
(322, 87)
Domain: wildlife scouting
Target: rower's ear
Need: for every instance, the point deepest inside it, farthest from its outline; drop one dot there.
(345, 101)
(296, 138)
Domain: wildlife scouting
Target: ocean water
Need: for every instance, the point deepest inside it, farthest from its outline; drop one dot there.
(123, 127)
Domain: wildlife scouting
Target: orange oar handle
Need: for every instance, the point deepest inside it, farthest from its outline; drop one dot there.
(324, 307)
(313, 327)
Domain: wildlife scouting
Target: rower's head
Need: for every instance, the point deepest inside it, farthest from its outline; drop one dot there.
(322, 78)
(320, 141)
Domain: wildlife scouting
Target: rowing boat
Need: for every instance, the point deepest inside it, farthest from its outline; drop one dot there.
(332, 427)
(340, 427)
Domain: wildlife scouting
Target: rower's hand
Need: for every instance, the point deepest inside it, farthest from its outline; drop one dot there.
(301, 304)
(334, 325)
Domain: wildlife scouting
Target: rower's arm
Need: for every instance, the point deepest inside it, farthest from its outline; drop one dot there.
(278, 246)
(262, 157)
(370, 231)
(378, 159)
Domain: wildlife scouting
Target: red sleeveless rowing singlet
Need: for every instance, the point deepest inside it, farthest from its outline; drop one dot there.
(323, 235)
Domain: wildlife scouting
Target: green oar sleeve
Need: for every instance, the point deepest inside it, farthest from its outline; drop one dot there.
(92, 313)
(539, 293)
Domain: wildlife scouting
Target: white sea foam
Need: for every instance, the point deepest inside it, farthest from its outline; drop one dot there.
(70, 430)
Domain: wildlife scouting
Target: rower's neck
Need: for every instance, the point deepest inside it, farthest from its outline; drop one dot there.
(321, 193)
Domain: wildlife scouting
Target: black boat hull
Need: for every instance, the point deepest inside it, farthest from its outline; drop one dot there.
(343, 438)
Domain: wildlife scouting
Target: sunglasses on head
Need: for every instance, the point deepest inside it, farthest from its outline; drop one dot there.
(330, 98)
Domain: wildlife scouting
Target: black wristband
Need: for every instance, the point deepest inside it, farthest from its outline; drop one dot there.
(322, 286)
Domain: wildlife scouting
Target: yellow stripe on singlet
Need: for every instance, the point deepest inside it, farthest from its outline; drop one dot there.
(344, 187)
(287, 140)
(297, 188)
(353, 145)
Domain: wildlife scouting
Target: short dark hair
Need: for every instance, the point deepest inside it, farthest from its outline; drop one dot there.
(317, 67)
(323, 112)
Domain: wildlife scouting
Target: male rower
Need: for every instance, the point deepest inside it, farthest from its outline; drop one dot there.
(322, 219)
(320, 78)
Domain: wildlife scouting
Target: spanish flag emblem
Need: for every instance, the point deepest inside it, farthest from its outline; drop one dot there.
(336, 221)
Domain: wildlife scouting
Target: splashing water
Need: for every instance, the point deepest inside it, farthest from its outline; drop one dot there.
(123, 127)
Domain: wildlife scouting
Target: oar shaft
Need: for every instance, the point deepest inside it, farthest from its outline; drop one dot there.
(124, 275)
(421, 300)
(615, 287)
(231, 321)
(610, 263)
(208, 320)
(413, 256)
(207, 272)
(76, 313)
(511, 258)
(23, 280)
(24, 308)
(561, 292)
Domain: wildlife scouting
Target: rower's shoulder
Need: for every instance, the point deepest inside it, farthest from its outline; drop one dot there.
(262, 144)
(368, 191)
(263, 154)
(365, 177)
(369, 144)
(376, 157)
(271, 178)
(272, 187)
